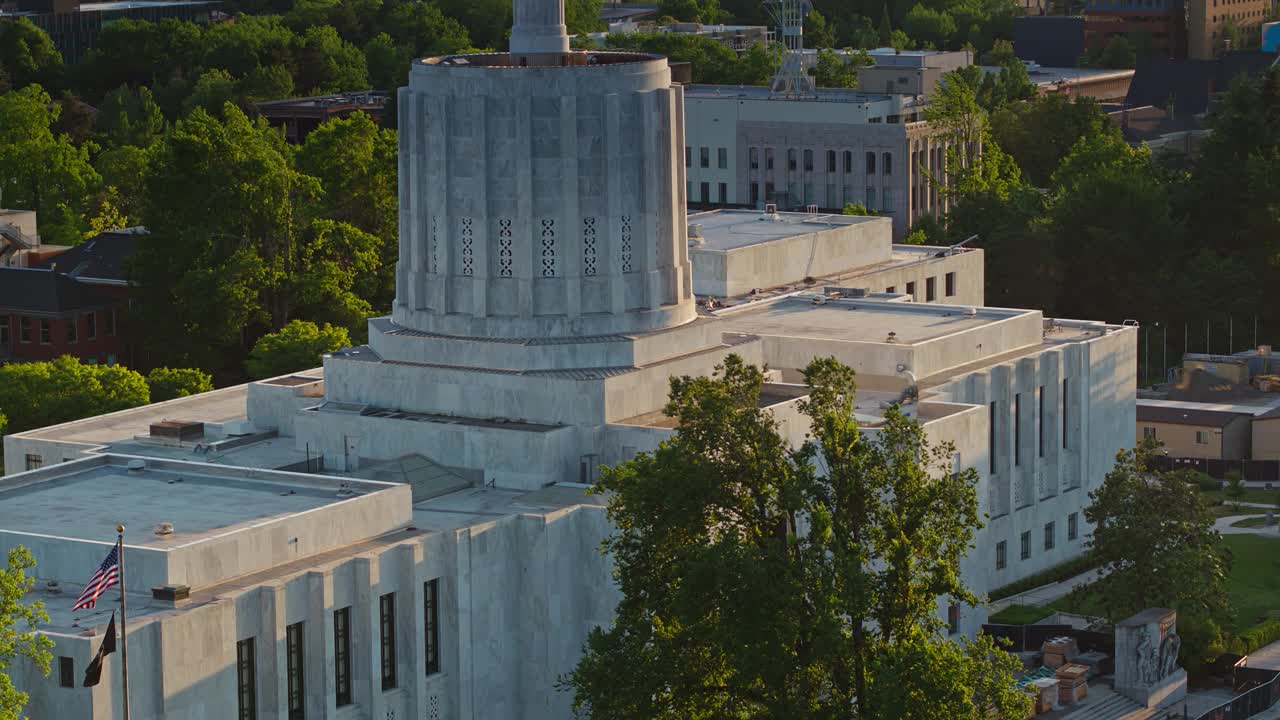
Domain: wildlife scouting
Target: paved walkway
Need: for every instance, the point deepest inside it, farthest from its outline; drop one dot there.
(1223, 525)
(1046, 594)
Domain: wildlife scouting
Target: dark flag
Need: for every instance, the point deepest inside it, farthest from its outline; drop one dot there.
(93, 673)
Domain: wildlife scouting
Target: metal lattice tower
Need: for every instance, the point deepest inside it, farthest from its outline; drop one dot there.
(792, 79)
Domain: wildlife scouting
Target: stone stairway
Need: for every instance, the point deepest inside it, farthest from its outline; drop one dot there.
(1104, 704)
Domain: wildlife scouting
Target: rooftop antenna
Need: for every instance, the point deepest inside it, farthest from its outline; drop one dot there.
(792, 79)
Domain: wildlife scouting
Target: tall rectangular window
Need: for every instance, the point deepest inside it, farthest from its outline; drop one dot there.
(24, 329)
(34, 462)
(1049, 532)
(951, 284)
(46, 332)
(91, 325)
(387, 630)
(791, 159)
(342, 656)
(111, 327)
(953, 619)
(66, 672)
(294, 669)
(73, 330)
(768, 158)
(704, 157)
(246, 672)
(911, 290)
(991, 435)
(4, 331)
(431, 623)
(871, 198)
(886, 163)
(1025, 542)
(930, 289)
(831, 161)
(1040, 421)
(848, 161)
(1002, 555)
(1017, 429)
(755, 194)
(705, 190)
(1066, 405)
(1148, 433)
(871, 163)
(886, 200)
(753, 158)
(722, 158)
(724, 193)
(688, 156)
(1073, 526)
(808, 161)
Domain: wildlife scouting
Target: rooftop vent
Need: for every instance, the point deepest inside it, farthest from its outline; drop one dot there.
(53, 588)
(893, 337)
(136, 467)
(164, 528)
(180, 430)
(971, 312)
(771, 213)
(695, 234)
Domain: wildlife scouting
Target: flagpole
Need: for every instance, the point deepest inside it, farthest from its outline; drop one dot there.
(124, 627)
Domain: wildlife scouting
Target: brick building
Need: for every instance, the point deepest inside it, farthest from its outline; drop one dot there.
(1155, 27)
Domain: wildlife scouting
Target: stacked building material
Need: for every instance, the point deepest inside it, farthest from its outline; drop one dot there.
(1073, 683)
(1059, 651)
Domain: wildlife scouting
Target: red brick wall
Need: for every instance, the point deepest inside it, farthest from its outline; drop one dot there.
(102, 348)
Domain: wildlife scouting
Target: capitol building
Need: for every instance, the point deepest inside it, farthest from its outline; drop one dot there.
(406, 533)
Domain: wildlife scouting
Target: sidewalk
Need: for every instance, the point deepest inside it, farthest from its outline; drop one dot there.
(1046, 594)
(1223, 526)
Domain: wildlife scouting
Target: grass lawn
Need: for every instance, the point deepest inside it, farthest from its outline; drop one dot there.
(1253, 495)
(1020, 615)
(1259, 521)
(1254, 584)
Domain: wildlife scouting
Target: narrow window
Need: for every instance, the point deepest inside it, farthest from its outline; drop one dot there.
(46, 332)
(848, 161)
(1002, 558)
(1025, 541)
(930, 289)
(246, 680)
(886, 200)
(953, 619)
(951, 284)
(111, 327)
(1073, 526)
(73, 330)
(871, 163)
(1040, 421)
(342, 656)
(66, 672)
(688, 156)
(991, 435)
(1017, 429)
(724, 193)
(753, 158)
(871, 198)
(294, 669)
(1049, 531)
(722, 158)
(91, 326)
(768, 158)
(1202, 437)
(892, 289)
(4, 331)
(705, 191)
(1148, 433)
(387, 628)
(886, 162)
(791, 159)
(808, 161)
(911, 289)
(831, 161)
(755, 194)
(1066, 405)
(431, 623)
(24, 329)
(704, 157)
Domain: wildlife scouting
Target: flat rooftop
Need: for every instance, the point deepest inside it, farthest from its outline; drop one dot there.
(852, 320)
(1055, 76)
(730, 229)
(759, 92)
(139, 4)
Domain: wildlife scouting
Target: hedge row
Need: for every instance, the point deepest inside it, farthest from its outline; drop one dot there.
(1254, 638)
(1057, 573)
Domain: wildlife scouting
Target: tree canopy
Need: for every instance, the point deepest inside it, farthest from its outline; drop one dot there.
(297, 346)
(754, 586)
(19, 618)
(34, 395)
(173, 383)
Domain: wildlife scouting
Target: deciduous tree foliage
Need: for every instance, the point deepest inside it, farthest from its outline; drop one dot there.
(173, 383)
(27, 55)
(753, 586)
(298, 346)
(19, 618)
(35, 395)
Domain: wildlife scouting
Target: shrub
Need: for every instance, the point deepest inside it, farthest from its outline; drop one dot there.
(173, 383)
(1057, 573)
(1020, 615)
(297, 346)
(1255, 637)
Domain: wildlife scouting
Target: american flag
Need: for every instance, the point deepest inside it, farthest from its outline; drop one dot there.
(107, 576)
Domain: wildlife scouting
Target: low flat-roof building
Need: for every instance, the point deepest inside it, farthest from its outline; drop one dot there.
(299, 116)
(74, 26)
(1196, 432)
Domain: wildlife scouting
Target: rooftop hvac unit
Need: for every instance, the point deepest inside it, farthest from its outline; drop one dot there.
(164, 528)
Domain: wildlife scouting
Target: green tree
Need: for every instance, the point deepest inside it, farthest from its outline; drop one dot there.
(712, 62)
(19, 619)
(356, 163)
(35, 395)
(583, 16)
(265, 83)
(833, 71)
(487, 21)
(213, 89)
(40, 170)
(297, 346)
(1154, 539)
(818, 33)
(425, 30)
(172, 383)
(700, 11)
(763, 590)
(27, 55)
(856, 208)
(251, 41)
(129, 117)
(1040, 133)
(1117, 54)
(388, 63)
(328, 64)
(124, 172)
(886, 27)
(923, 24)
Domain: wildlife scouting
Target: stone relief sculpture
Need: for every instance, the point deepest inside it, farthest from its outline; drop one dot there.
(1146, 660)
(1169, 655)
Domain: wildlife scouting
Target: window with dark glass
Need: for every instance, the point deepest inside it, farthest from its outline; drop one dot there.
(791, 159)
(431, 624)
(911, 289)
(930, 289)
(1073, 526)
(808, 161)
(886, 161)
(34, 461)
(1017, 429)
(688, 156)
(66, 672)
(953, 619)
(91, 325)
(73, 330)
(704, 157)
(724, 193)
(387, 631)
(848, 161)
(1001, 555)
(704, 190)
(1066, 405)
(24, 329)
(951, 284)
(1049, 532)
(722, 158)
(111, 328)
(4, 331)
(1025, 541)
(992, 429)
(1040, 418)
(46, 332)
(342, 656)
(831, 161)
(246, 680)
(871, 163)
(768, 158)
(294, 669)
(753, 158)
